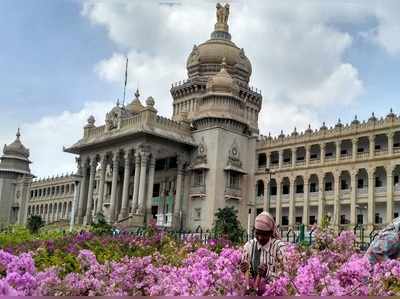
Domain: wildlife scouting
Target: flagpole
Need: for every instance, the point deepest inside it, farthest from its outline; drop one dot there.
(126, 79)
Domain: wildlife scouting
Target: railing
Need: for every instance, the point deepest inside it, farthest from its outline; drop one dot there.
(315, 161)
(164, 220)
(380, 189)
(274, 165)
(285, 197)
(396, 150)
(233, 192)
(363, 155)
(346, 157)
(314, 194)
(330, 159)
(198, 189)
(362, 190)
(381, 152)
(300, 163)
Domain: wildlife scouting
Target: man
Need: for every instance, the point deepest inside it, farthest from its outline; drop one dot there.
(263, 254)
(386, 244)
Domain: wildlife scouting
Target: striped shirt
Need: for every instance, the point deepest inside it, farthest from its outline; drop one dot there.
(271, 254)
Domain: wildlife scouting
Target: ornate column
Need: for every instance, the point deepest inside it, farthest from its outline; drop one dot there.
(89, 204)
(390, 136)
(322, 154)
(103, 165)
(291, 202)
(152, 166)
(268, 154)
(114, 188)
(82, 193)
(354, 142)
(135, 201)
(321, 201)
(353, 198)
(280, 159)
(389, 193)
(142, 182)
(372, 146)
(371, 196)
(294, 157)
(306, 201)
(125, 189)
(338, 149)
(336, 203)
(308, 153)
(178, 196)
(278, 209)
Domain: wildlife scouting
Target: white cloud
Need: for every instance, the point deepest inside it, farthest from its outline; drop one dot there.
(46, 137)
(296, 52)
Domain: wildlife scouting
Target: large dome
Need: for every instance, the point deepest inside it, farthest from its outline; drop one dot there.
(206, 59)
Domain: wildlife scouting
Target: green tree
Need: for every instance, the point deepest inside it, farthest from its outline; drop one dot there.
(227, 224)
(100, 225)
(34, 223)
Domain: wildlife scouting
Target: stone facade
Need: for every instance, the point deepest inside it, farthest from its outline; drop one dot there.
(140, 166)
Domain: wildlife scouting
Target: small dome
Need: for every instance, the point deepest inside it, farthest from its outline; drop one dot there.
(309, 130)
(339, 124)
(294, 133)
(222, 81)
(323, 127)
(281, 135)
(391, 114)
(372, 118)
(135, 106)
(16, 148)
(355, 121)
(150, 102)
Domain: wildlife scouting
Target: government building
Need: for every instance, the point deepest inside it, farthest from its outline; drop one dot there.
(140, 166)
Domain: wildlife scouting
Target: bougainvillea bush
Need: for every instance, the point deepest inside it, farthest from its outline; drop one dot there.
(86, 264)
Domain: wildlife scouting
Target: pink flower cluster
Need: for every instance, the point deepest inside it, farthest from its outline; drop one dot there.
(332, 267)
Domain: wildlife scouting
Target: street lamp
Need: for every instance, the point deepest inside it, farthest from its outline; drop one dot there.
(269, 174)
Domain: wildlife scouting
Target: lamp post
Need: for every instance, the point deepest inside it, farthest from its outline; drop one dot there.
(77, 180)
(269, 174)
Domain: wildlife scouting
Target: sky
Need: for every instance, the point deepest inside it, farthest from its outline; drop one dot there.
(314, 61)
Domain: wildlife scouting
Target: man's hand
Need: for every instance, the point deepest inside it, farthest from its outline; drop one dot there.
(244, 266)
(262, 270)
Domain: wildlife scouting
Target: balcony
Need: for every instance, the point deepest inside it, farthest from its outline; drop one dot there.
(362, 191)
(381, 152)
(314, 194)
(198, 189)
(287, 164)
(363, 155)
(380, 190)
(314, 161)
(346, 157)
(285, 197)
(259, 198)
(330, 158)
(233, 192)
(274, 165)
(300, 163)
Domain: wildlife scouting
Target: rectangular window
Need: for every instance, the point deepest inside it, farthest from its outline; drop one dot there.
(360, 183)
(330, 154)
(234, 180)
(328, 186)
(360, 150)
(160, 164)
(378, 220)
(198, 178)
(343, 152)
(299, 220)
(344, 185)
(299, 188)
(285, 220)
(273, 190)
(285, 189)
(313, 220)
(313, 156)
(197, 214)
(313, 187)
(378, 182)
(360, 219)
(154, 211)
(259, 211)
(377, 147)
(396, 179)
(156, 190)
(343, 219)
(172, 162)
(395, 215)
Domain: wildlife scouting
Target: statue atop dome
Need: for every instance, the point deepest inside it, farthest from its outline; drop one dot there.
(222, 13)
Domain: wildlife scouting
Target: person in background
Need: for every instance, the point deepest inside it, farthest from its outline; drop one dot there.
(263, 254)
(386, 244)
